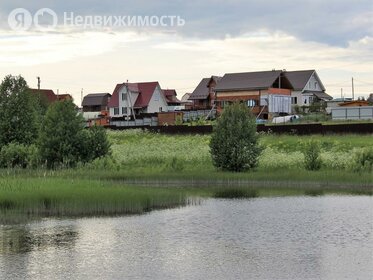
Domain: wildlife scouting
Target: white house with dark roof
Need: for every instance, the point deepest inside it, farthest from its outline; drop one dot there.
(308, 87)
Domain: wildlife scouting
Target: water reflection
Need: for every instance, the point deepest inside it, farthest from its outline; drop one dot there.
(267, 238)
(22, 239)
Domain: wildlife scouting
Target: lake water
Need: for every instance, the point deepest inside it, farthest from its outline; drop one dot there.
(326, 237)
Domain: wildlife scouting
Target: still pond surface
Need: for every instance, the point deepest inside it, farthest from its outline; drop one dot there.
(267, 238)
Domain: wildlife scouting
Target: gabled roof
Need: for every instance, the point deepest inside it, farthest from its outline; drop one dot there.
(299, 79)
(62, 97)
(96, 99)
(202, 90)
(171, 96)
(145, 91)
(248, 80)
(185, 98)
(321, 95)
(47, 93)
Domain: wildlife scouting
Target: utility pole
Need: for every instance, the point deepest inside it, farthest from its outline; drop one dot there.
(342, 94)
(38, 82)
(81, 96)
(353, 89)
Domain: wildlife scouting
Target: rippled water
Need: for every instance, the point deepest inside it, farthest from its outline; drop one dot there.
(268, 238)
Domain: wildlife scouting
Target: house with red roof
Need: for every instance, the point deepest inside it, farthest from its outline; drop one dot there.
(136, 98)
(47, 95)
(171, 97)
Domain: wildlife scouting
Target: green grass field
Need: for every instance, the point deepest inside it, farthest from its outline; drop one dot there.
(151, 171)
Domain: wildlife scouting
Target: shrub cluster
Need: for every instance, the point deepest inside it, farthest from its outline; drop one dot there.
(234, 143)
(312, 159)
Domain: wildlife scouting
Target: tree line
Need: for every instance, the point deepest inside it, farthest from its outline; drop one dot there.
(34, 133)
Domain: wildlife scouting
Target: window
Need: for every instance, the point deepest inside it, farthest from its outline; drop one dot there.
(160, 109)
(315, 85)
(294, 100)
(124, 111)
(124, 96)
(116, 111)
(251, 103)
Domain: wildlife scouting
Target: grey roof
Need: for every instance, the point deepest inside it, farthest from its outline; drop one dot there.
(96, 99)
(299, 79)
(321, 95)
(202, 90)
(248, 80)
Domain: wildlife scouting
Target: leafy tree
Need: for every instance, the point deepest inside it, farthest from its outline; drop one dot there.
(60, 135)
(234, 143)
(93, 144)
(19, 118)
(63, 140)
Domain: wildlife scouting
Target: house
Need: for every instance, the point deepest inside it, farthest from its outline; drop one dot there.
(47, 95)
(267, 93)
(95, 108)
(171, 97)
(64, 97)
(172, 101)
(188, 104)
(203, 96)
(136, 98)
(96, 102)
(308, 88)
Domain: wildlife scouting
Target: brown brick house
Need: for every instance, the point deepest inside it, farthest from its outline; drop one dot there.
(267, 93)
(203, 96)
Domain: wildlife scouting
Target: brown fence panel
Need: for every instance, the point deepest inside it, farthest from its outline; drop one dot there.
(295, 129)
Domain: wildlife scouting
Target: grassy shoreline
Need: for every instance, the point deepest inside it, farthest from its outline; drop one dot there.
(70, 197)
(151, 171)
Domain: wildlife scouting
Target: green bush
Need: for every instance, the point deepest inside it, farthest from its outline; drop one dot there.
(63, 141)
(17, 155)
(363, 160)
(234, 142)
(312, 159)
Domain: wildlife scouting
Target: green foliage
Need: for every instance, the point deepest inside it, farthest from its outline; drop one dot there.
(19, 117)
(63, 141)
(231, 193)
(93, 144)
(234, 143)
(60, 135)
(18, 155)
(179, 120)
(312, 159)
(66, 197)
(175, 165)
(363, 160)
(297, 109)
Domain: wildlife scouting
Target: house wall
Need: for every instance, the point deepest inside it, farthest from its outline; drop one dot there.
(124, 103)
(313, 84)
(303, 99)
(157, 101)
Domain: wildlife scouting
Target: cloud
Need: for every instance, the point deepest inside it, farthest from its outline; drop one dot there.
(333, 22)
(35, 48)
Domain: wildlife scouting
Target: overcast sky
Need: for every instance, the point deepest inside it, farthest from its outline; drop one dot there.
(335, 37)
